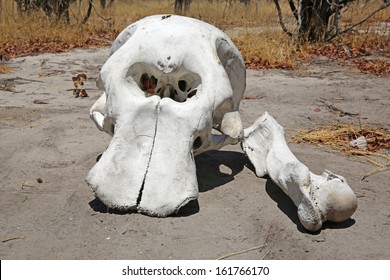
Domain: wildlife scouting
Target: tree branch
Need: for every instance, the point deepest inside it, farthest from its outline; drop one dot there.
(345, 2)
(383, 6)
(281, 18)
(293, 9)
(91, 5)
(85, 19)
(336, 4)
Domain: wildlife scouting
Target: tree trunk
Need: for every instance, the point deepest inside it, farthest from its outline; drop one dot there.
(179, 7)
(314, 16)
(187, 4)
(246, 2)
(59, 7)
(103, 4)
(85, 19)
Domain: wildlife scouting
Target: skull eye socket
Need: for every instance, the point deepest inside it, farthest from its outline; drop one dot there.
(178, 86)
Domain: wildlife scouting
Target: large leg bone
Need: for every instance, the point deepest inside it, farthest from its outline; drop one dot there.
(319, 198)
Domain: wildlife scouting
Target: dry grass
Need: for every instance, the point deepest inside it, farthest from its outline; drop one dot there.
(254, 28)
(338, 137)
(5, 69)
(267, 49)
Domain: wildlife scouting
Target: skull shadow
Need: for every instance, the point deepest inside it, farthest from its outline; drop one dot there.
(217, 168)
(286, 205)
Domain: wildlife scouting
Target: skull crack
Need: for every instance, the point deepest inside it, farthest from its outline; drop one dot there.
(150, 156)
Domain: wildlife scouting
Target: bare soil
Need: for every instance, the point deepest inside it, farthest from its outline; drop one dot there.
(48, 145)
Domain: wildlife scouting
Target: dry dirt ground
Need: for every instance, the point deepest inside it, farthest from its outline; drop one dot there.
(56, 144)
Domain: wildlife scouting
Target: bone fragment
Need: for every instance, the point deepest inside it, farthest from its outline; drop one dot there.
(319, 198)
(360, 142)
(231, 125)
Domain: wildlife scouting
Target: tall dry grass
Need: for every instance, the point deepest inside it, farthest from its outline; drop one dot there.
(254, 28)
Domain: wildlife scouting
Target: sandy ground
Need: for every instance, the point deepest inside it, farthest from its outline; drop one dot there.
(56, 144)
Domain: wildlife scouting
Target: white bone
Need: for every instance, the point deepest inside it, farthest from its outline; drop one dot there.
(231, 125)
(168, 81)
(319, 198)
(97, 110)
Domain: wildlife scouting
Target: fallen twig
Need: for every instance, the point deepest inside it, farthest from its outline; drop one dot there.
(72, 89)
(269, 250)
(375, 171)
(28, 80)
(12, 238)
(24, 184)
(337, 110)
(37, 101)
(243, 251)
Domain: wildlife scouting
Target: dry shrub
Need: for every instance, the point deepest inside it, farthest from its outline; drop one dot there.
(266, 50)
(224, 15)
(5, 69)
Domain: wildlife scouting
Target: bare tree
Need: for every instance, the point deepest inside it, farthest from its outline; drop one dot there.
(103, 3)
(179, 7)
(88, 14)
(318, 20)
(60, 8)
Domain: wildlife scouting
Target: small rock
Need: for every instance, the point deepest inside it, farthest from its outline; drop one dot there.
(39, 180)
(225, 171)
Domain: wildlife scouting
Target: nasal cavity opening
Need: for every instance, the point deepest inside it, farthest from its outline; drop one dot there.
(148, 83)
(182, 85)
(179, 85)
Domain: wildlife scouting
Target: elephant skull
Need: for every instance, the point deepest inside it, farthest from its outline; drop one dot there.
(169, 81)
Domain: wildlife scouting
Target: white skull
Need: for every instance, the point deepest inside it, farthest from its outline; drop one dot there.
(169, 81)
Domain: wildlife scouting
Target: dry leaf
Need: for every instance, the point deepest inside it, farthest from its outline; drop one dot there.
(83, 93)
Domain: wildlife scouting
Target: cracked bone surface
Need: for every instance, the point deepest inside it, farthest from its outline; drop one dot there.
(318, 198)
(168, 83)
